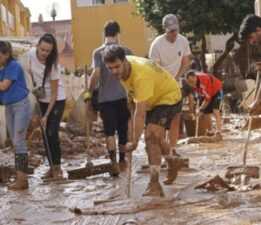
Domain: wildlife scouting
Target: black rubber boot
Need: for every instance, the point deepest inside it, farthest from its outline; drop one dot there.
(21, 166)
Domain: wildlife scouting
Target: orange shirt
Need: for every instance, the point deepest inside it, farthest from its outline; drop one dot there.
(208, 85)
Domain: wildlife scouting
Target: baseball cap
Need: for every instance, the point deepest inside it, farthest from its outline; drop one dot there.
(170, 22)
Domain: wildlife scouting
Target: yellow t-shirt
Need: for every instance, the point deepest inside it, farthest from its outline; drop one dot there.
(150, 82)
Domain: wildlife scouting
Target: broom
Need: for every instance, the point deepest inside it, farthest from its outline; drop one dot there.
(89, 169)
(247, 171)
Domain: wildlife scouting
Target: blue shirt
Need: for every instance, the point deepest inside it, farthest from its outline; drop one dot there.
(17, 90)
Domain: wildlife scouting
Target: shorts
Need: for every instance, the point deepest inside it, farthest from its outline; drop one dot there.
(162, 115)
(215, 103)
(115, 116)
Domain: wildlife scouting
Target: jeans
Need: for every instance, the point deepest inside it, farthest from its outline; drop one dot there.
(17, 118)
(52, 130)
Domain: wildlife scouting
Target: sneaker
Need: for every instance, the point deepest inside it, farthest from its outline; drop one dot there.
(174, 164)
(218, 136)
(115, 171)
(123, 165)
(210, 133)
(154, 189)
(48, 174)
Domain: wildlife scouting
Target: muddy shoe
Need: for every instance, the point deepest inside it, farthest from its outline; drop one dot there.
(175, 153)
(48, 174)
(175, 164)
(21, 182)
(210, 133)
(218, 136)
(57, 172)
(115, 170)
(154, 189)
(123, 165)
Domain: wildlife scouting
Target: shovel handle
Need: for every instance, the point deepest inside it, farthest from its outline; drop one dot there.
(197, 119)
(129, 168)
(251, 120)
(87, 125)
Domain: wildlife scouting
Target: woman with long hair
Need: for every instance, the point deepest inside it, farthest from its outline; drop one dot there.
(14, 95)
(44, 66)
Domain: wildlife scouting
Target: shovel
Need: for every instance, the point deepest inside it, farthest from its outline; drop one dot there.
(246, 171)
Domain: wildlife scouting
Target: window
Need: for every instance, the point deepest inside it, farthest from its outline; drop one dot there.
(120, 1)
(86, 3)
(4, 14)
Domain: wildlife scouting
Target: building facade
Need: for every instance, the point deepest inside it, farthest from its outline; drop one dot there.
(62, 30)
(15, 19)
(88, 19)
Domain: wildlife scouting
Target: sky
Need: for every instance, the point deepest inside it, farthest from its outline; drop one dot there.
(44, 6)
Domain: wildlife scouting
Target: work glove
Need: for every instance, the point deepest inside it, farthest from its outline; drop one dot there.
(87, 96)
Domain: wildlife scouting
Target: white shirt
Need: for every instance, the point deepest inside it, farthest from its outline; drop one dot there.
(37, 70)
(169, 55)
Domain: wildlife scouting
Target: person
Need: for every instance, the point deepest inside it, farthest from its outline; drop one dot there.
(157, 98)
(211, 89)
(171, 50)
(112, 98)
(250, 30)
(44, 67)
(14, 95)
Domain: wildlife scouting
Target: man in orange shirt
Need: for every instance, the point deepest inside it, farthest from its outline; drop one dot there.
(210, 88)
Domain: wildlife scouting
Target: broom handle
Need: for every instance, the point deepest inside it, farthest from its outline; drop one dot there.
(128, 185)
(87, 141)
(250, 120)
(197, 119)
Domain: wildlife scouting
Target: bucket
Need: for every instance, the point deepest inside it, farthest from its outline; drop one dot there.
(190, 126)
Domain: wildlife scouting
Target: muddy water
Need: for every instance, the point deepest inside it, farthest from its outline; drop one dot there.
(50, 203)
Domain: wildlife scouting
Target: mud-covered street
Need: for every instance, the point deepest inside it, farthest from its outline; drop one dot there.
(103, 201)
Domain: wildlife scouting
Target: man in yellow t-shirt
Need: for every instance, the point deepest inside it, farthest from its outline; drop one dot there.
(158, 98)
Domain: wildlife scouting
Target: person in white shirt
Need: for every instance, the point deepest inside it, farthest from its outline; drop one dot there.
(171, 50)
(45, 69)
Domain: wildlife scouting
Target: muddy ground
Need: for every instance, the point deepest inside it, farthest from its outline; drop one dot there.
(51, 203)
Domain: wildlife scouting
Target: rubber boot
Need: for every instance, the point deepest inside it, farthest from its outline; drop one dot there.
(21, 166)
(154, 188)
(174, 165)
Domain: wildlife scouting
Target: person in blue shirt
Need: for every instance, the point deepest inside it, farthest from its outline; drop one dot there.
(14, 95)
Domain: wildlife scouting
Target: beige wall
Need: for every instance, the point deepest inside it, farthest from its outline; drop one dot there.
(87, 26)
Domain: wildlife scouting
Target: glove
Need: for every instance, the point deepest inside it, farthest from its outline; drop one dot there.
(87, 96)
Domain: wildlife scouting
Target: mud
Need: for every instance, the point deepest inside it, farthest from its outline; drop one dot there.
(105, 196)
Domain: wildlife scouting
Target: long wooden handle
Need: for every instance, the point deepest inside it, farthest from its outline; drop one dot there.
(87, 125)
(197, 119)
(250, 121)
(128, 183)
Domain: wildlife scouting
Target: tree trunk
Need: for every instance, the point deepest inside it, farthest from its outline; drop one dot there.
(203, 52)
(229, 46)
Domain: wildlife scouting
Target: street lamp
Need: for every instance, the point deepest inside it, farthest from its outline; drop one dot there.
(53, 11)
